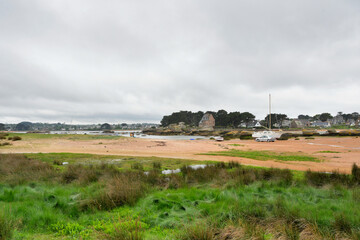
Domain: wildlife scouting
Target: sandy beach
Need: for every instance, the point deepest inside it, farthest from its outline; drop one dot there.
(347, 150)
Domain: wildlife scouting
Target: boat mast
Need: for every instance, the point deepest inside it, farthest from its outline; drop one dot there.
(270, 111)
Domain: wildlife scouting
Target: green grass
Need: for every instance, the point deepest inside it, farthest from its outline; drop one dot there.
(264, 155)
(42, 208)
(123, 162)
(236, 145)
(328, 152)
(34, 136)
(49, 210)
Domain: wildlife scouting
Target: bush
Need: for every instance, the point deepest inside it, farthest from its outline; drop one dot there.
(355, 171)
(16, 138)
(5, 144)
(57, 162)
(157, 165)
(2, 136)
(125, 188)
(71, 173)
(137, 166)
(320, 179)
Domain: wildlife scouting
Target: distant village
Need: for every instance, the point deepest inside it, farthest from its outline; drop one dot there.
(29, 126)
(234, 120)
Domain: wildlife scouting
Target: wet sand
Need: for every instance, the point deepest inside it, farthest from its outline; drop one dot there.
(348, 148)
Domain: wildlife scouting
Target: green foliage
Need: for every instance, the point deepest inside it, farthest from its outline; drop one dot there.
(325, 116)
(122, 229)
(189, 118)
(72, 229)
(264, 155)
(222, 118)
(276, 118)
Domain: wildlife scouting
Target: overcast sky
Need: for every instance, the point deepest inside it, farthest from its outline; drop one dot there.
(88, 61)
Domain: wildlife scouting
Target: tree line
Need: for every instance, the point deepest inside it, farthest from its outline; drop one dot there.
(222, 118)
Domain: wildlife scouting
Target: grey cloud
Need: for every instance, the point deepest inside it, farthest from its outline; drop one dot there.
(138, 60)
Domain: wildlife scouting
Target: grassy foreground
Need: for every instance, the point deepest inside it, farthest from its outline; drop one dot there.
(42, 200)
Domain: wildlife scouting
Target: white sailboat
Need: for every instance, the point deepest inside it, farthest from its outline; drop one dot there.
(268, 132)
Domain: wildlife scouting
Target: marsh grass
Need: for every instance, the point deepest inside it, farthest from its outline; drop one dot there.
(218, 201)
(17, 169)
(199, 231)
(122, 189)
(264, 155)
(7, 224)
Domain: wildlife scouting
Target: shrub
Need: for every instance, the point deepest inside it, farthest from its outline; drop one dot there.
(355, 171)
(57, 162)
(89, 175)
(5, 144)
(137, 166)
(175, 181)
(157, 165)
(71, 173)
(16, 138)
(125, 188)
(320, 179)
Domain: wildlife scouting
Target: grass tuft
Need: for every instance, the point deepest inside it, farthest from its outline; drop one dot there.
(6, 224)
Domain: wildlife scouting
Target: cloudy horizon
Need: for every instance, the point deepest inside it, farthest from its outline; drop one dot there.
(134, 61)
